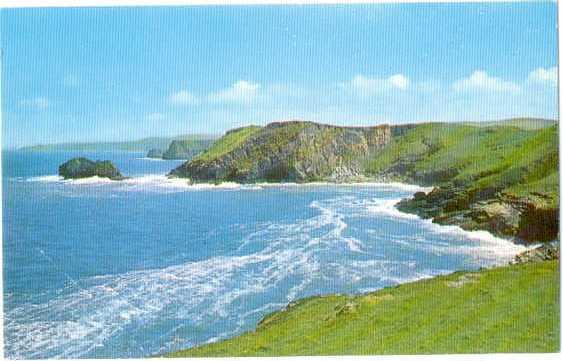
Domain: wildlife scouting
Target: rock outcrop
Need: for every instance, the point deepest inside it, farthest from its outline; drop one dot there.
(503, 179)
(155, 153)
(495, 212)
(293, 151)
(544, 252)
(84, 168)
(186, 149)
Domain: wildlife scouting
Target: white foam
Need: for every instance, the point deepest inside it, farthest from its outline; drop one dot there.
(383, 186)
(45, 178)
(58, 179)
(286, 261)
(486, 244)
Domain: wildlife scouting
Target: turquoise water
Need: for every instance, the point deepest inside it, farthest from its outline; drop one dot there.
(95, 268)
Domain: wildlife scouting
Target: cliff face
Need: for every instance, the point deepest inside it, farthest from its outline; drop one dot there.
(498, 177)
(155, 153)
(186, 149)
(290, 151)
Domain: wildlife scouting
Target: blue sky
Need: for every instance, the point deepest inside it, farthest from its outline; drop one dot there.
(125, 73)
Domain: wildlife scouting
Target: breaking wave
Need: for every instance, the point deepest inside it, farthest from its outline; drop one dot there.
(339, 248)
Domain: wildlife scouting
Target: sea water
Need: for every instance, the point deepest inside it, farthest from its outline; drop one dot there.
(149, 265)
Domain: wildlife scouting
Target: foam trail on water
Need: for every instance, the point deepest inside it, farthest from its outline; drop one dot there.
(339, 246)
(484, 242)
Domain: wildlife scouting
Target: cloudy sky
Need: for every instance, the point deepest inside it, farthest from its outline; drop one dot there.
(128, 73)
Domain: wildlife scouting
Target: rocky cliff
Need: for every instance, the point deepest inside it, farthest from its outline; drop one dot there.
(295, 151)
(186, 148)
(499, 177)
(155, 153)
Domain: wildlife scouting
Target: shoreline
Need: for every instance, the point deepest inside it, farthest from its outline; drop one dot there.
(166, 181)
(350, 308)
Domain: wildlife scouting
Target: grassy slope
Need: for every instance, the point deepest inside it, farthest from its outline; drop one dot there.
(523, 123)
(517, 161)
(505, 309)
(227, 143)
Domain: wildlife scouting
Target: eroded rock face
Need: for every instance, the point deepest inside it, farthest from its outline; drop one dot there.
(185, 149)
(292, 151)
(84, 168)
(545, 252)
(538, 224)
(155, 153)
(485, 210)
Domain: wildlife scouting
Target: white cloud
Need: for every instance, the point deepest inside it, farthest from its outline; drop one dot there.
(155, 116)
(544, 76)
(398, 81)
(240, 92)
(183, 97)
(38, 102)
(364, 86)
(480, 80)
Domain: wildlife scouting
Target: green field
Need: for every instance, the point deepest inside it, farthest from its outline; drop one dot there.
(505, 309)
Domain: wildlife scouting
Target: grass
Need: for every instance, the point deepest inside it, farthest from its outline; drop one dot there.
(523, 123)
(227, 143)
(505, 309)
(517, 161)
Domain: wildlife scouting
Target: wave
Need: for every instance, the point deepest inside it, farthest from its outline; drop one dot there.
(396, 186)
(44, 178)
(484, 242)
(331, 250)
(155, 182)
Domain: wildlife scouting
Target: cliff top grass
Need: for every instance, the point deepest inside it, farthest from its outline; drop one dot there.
(505, 309)
(521, 162)
(227, 143)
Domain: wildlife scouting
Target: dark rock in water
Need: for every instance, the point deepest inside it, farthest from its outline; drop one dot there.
(155, 153)
(84, 168)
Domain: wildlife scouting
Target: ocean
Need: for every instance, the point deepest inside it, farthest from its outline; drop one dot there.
(98, 268)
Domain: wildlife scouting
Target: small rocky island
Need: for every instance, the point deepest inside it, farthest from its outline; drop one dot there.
(84, 168)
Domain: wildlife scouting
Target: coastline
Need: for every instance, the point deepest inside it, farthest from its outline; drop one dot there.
(528, 255)
(464, 312)
(165, 181)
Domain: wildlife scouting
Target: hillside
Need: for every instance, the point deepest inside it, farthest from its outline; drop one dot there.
(522, 123)
(502, 177)
(141, 145)
(186, 148)
(505, 309)
(291, 151)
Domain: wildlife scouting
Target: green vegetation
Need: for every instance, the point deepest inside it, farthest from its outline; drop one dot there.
(506, 309)
(519, 162)
(516, 161)
(503, 179)
(84, 168)
(186, 148)
(227, 143)
(522, 123)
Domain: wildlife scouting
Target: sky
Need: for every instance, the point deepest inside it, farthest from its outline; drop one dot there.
(107, 74)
